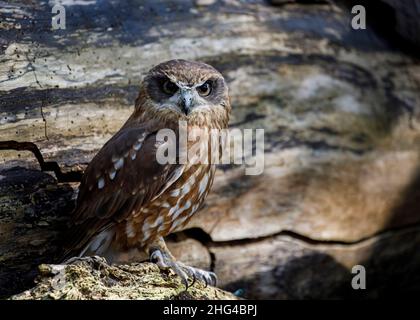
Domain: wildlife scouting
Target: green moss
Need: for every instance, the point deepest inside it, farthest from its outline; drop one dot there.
(98, 280)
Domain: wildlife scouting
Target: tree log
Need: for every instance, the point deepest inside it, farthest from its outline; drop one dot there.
(95, 279)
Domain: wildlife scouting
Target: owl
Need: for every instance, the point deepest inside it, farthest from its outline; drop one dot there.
(128, 201)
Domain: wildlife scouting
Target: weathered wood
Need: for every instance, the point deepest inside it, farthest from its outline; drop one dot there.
(95, 279)
(395, 19)
(340, 109)
(286, 267)
(33, 214)
(44, 165)
(34, 209)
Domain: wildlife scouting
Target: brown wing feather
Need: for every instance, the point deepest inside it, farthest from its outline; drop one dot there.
(138, 179)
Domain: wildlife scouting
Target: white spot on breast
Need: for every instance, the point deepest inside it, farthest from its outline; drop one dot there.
(173, 209)
(186, 206)
(133, 155)
(203, 184)
(177, 214)
(101, 183)
(175, 193)
(112, 174)
(165, 205)
(114, 158)
(119, 164)
(137, 146)
(129, 229)
(190, 182)
(172, 178)
(146, 227)
(191, 179)
(178, 222)
(157, 222)
(146, 235)
(186, 188)
(175, 224)
(161, 228)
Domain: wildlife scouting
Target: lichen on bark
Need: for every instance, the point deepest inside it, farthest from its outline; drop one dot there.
(95, 279)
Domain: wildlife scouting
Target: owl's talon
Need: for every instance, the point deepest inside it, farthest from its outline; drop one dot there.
(164, 261)
(194, 279)
(181, 273)
(213, 278)
(208, 277)
(157, 257)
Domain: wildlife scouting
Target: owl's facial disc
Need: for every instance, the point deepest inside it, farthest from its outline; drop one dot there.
(187, 98)
(188, 89)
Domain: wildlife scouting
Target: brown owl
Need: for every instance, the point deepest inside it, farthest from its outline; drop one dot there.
(127, 200)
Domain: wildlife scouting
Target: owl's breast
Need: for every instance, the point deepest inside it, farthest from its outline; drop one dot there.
(172, 210)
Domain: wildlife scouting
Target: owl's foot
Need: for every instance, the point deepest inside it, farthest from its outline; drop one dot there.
(166, 261)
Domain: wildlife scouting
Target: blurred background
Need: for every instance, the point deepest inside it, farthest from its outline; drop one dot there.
(341, 113)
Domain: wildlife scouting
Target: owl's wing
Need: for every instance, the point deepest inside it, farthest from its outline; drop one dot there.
(121, 178)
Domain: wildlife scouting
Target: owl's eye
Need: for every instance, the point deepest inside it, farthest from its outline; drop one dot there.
(205, 89)
(169, 87)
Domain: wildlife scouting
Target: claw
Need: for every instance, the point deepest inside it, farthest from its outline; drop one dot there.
(182, 274)
(194, 279)
(164, 261)
(213, 278)
(185, 283)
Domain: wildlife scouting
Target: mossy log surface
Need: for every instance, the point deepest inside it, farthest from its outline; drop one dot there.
(95, 279)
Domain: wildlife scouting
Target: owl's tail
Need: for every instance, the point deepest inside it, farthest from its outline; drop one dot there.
(79, 240)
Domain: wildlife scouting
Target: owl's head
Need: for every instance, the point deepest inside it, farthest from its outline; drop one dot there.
(185, 90)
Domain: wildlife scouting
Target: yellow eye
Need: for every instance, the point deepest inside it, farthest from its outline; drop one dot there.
(205, 89)
(169, 87)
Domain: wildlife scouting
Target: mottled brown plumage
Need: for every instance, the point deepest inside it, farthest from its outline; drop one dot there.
(127, 200)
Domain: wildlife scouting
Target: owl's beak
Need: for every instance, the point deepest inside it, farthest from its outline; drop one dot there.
(186, 99)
